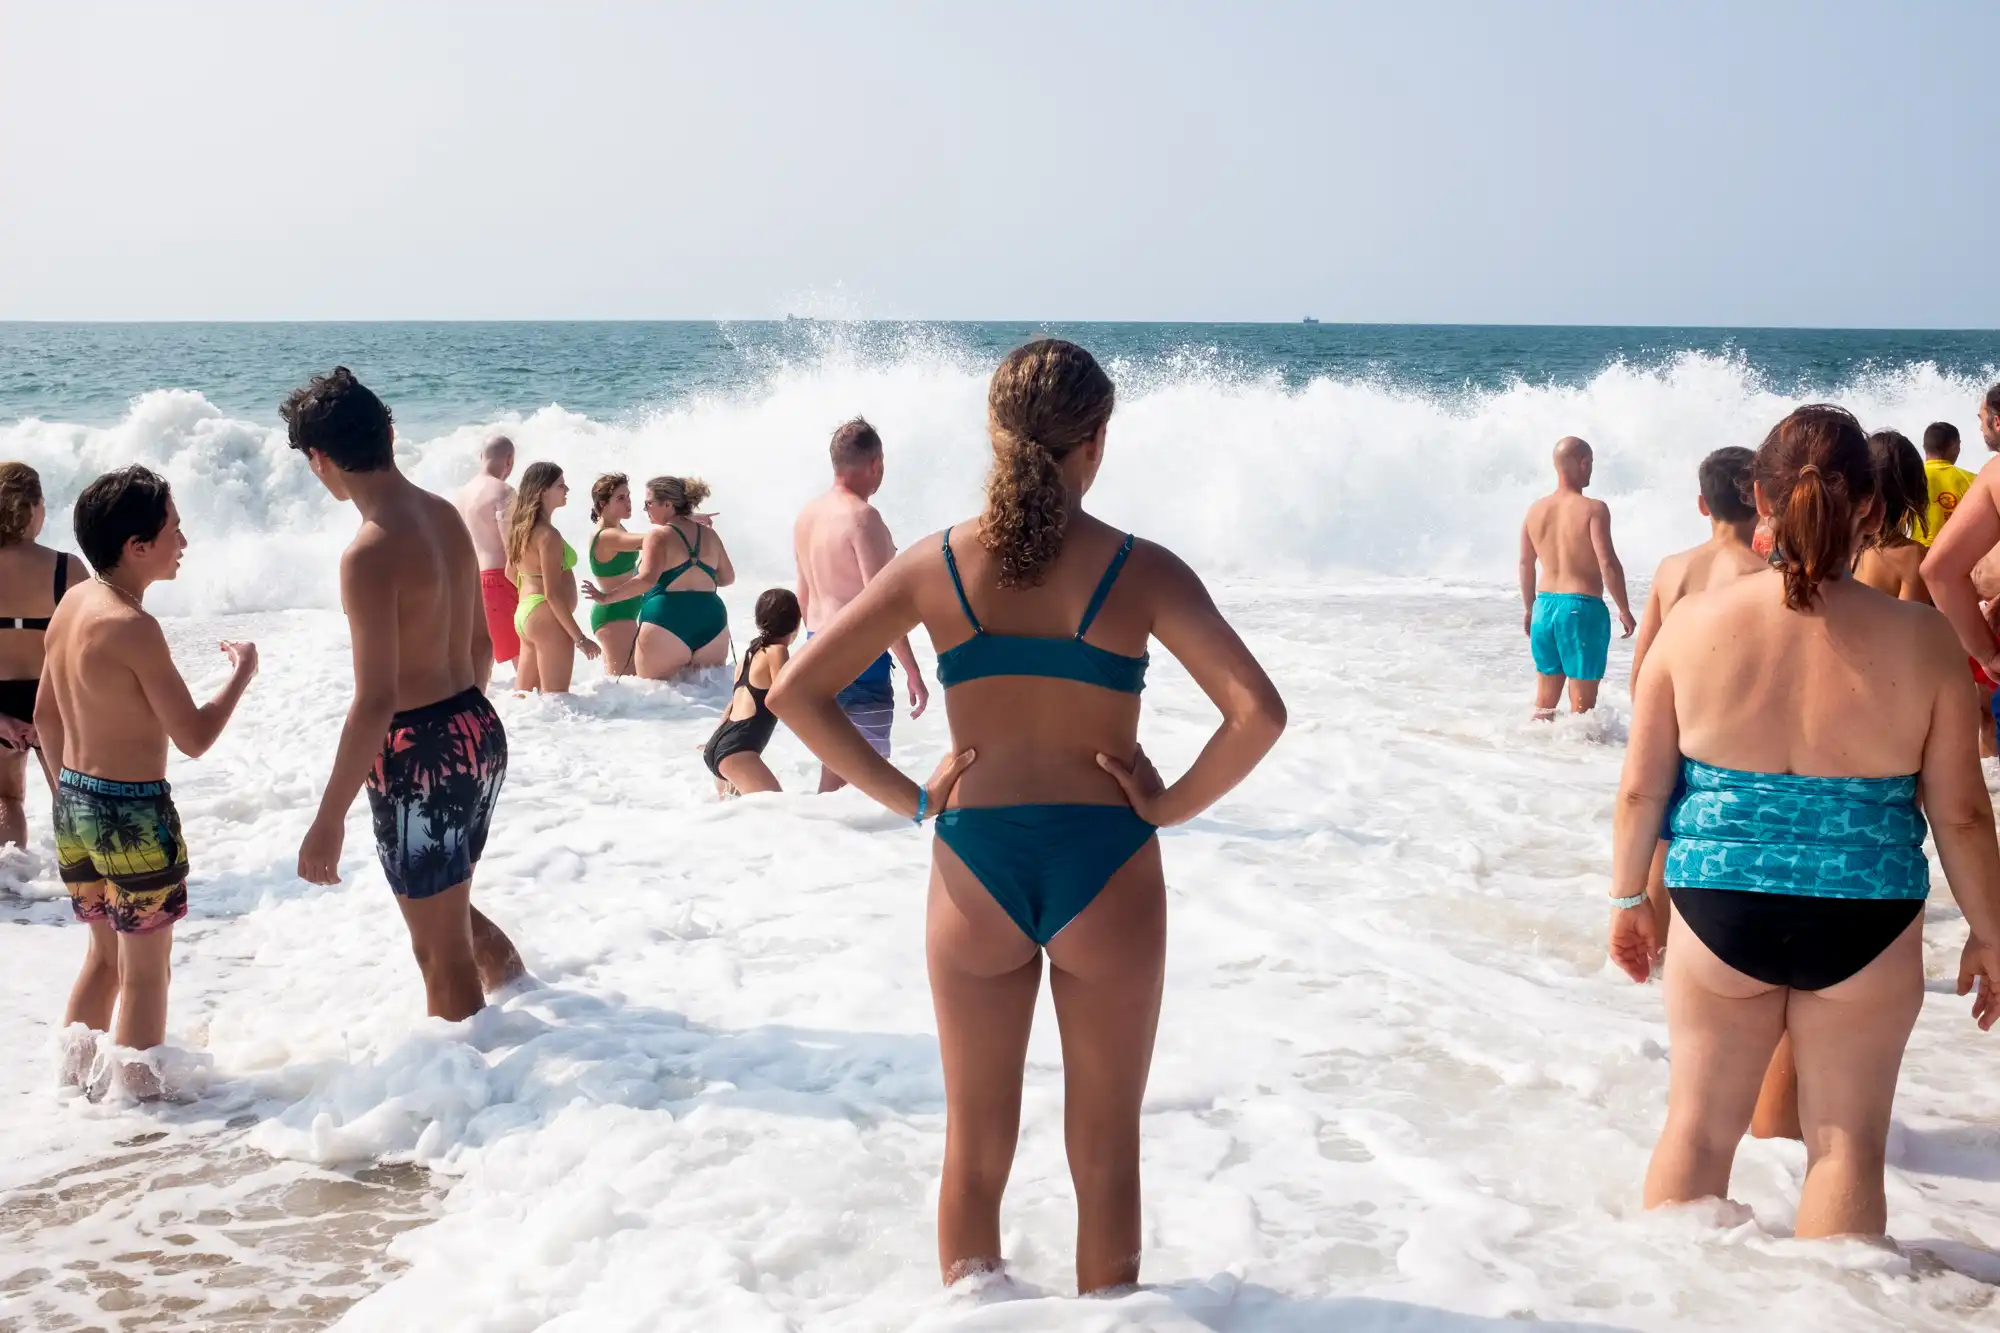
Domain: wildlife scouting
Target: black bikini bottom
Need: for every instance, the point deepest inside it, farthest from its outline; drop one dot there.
(1787, 939)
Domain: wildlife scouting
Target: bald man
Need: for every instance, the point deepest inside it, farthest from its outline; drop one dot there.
(1569, 536)
(483, 504)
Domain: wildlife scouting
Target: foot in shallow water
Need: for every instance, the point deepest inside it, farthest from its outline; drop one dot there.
(157, 1074)
(76, 1051)
(521, 983)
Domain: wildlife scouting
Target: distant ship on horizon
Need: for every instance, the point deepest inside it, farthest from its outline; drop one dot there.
(1310, 320)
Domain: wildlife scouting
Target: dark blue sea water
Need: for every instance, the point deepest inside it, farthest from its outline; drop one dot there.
(438, 375)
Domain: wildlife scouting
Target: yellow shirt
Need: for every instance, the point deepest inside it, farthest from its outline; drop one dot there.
(1948, 485)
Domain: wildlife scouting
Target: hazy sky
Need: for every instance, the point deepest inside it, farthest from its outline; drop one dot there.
(1705, 162)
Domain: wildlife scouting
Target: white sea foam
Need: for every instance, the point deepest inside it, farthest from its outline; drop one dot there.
(1331, 475)
(1396, 1087)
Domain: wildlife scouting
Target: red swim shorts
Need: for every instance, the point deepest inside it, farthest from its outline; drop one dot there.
(1986, 682)
(501, 597)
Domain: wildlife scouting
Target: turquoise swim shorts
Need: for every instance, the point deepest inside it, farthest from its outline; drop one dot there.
(1570, 635)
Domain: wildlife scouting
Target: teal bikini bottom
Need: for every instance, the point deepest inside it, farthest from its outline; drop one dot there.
(1043, 863)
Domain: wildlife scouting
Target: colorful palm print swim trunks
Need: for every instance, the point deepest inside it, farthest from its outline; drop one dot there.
(119, 851)
(433, 790)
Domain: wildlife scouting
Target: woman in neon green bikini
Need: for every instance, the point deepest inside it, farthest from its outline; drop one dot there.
(539, 561)
(683, 625)
(614, 553)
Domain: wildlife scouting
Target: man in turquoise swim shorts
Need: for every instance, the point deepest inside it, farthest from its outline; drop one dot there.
(1568, 536)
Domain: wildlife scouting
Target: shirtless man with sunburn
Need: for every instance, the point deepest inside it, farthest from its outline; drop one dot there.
(840, 543)
(1569, 536)
(483, 503)
(111, 700)
(420, 734)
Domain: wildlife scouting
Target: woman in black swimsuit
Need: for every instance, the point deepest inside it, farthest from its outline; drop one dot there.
(33, 579)
(735, 754)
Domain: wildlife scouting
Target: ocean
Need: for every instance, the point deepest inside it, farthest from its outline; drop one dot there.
(1397, 1086)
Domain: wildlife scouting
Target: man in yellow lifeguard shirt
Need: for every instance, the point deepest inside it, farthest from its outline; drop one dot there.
(1948, 481)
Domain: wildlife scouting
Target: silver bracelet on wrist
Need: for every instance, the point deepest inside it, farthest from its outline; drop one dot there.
(1627, 904)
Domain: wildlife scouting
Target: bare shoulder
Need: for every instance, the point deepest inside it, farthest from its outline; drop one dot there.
(1672, 573)
(444, 520)
(1597, 508)
(370, 553)
(1166, 574)
(1923, 624)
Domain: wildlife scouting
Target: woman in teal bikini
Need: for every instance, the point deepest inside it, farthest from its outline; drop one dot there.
(1046, 844)
(613, 554)
(539, 561)
(683, 625)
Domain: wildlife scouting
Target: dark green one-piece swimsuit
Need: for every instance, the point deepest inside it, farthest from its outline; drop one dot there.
(695, 618)
(618, 566)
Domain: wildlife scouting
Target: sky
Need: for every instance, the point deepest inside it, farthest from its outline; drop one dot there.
(1709, 162)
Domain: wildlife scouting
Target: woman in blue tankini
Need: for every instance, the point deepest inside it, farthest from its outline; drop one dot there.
(1793, 729)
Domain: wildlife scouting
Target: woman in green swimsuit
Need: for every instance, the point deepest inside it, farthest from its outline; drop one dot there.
(614, 553)
(683, 625)
(539, 561)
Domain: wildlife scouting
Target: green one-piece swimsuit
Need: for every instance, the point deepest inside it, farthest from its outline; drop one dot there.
(695, 617)
(619, 565)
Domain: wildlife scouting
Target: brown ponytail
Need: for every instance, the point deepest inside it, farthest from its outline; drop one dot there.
(1047, 399)
(602, 490)
(20, 492)
(1816, 472)
(680, 494)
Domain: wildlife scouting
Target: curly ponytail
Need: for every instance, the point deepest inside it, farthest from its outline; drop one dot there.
(1817, 473)
(20, 492)
(1047, 399)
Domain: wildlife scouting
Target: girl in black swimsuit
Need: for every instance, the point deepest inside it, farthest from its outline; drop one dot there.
(735, 754)
(33, 579)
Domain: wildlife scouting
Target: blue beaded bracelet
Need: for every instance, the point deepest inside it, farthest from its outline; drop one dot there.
(923, 804)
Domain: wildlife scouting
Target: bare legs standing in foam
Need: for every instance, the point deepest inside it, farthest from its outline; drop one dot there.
(1848, 1041)
(1106, 969)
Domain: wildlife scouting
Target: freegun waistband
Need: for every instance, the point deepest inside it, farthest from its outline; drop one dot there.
(106, 787)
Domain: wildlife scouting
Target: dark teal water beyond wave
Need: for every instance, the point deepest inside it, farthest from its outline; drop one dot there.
(440, 374)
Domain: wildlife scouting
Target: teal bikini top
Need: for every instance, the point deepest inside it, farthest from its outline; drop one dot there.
(694, 561)
(986, 654)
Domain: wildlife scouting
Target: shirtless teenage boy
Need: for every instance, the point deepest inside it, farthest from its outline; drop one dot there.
(1569, 535)
(110, 702)
(420, 733)
(1732, 518)
(840, 543)
(483, 503)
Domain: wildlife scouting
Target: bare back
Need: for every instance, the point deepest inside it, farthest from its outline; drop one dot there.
(95, 645)
(827, 541)
(28, 592)
(416, 553)
(1038, 738)
(1559, 526)
(1895, 570)
(482, 503)
(1758, 687)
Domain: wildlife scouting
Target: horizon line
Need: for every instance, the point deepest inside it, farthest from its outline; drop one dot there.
(1041, 321)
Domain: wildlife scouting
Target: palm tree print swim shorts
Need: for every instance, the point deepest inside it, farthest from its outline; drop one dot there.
(433, 790)
(119, 851)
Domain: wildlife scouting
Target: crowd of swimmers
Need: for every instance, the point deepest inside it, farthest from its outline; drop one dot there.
(1799, 720)
(656, 610)
(1802, 720)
